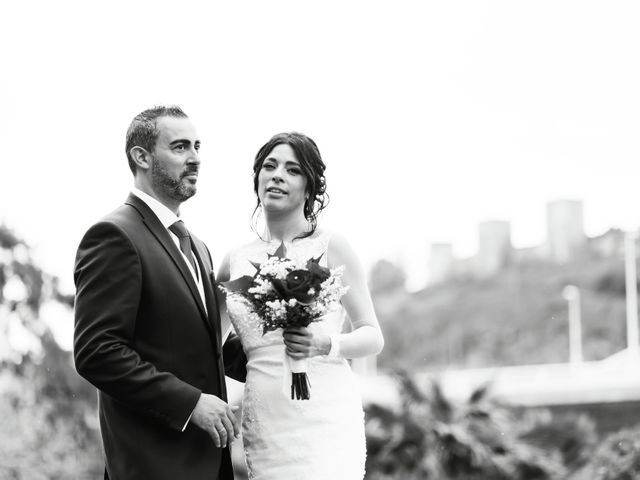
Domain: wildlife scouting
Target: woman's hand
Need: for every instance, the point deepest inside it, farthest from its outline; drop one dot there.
(301, 342)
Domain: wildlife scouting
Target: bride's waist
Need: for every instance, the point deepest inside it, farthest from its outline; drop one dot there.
(262, 352)
(274, 354)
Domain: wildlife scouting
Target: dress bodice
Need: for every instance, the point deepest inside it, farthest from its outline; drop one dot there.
(248, 325)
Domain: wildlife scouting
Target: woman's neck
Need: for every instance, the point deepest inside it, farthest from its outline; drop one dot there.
(285, 227)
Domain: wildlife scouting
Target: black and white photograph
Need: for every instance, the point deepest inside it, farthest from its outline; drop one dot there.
(280, 240)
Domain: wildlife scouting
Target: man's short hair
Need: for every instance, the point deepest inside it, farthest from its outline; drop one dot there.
(143, 132)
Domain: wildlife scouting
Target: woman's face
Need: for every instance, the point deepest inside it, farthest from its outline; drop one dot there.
(281, 183)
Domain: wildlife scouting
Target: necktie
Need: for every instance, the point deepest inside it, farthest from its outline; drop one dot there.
(185, 242)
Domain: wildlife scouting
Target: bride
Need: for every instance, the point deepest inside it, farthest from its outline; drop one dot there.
(322, 437)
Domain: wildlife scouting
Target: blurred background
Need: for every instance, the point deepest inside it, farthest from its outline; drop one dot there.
(482, 157)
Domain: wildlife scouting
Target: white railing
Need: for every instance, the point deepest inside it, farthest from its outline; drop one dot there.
(614, 379)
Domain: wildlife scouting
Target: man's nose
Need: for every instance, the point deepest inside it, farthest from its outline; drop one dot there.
(194, 156)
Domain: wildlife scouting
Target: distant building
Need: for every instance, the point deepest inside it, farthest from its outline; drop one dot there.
(609, 244)
(465, 267)
(529, 254)
(441, 262)
(494, 247)
(566, 239)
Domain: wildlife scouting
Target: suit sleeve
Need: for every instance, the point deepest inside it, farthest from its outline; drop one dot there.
(233, 355)
(108, 279)
(235, 360)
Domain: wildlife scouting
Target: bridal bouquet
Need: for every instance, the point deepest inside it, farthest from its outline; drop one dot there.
(288, 293)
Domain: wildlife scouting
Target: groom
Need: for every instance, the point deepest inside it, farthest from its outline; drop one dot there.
(147, 324)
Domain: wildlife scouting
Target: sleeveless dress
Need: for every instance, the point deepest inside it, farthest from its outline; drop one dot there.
(317, 439)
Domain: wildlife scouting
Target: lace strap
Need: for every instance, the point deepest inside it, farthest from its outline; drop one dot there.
(234, 262)
(323, 240)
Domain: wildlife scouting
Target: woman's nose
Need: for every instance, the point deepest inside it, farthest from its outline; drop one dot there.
(277, 174)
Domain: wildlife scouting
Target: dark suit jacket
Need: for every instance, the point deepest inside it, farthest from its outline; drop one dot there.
(142, 337)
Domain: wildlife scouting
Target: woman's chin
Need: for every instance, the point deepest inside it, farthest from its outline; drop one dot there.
(276, 206)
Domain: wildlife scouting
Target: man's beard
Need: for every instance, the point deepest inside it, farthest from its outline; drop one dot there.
(173, 188)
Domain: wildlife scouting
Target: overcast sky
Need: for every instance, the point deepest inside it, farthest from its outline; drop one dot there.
(431, 116)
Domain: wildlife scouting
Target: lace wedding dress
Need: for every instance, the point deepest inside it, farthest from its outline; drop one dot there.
(317, 439)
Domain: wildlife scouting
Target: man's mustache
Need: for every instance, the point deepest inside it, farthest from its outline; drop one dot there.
(190, 171)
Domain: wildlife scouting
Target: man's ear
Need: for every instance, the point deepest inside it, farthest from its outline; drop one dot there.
(141, 157)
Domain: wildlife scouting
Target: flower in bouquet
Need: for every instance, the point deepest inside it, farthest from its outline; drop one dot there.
(288, 293)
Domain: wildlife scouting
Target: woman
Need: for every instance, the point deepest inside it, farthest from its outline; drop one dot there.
(323, 437)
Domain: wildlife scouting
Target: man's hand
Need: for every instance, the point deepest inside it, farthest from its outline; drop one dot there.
(217, 418)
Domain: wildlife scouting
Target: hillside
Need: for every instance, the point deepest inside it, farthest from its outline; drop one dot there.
(516, 317)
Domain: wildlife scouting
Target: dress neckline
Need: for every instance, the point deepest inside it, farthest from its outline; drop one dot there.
(296, 242)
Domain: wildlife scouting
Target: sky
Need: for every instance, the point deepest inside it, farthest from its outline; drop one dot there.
(431, 116)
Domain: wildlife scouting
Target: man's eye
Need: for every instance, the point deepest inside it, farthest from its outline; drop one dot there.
(179, 147)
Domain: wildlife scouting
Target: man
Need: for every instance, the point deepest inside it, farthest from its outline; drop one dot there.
(147, 324)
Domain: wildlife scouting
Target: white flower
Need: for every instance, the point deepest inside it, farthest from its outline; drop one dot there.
(263, 287)
(276, 267)
(277, 308)
(332, 289)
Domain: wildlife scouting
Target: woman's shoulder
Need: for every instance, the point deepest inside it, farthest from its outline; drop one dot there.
(332, 238)
(322, 235)
(322, 239)
(338, 248)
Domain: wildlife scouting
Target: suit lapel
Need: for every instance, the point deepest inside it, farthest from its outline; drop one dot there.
(152, 222)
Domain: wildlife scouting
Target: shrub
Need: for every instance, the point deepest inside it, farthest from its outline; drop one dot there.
(617, 458)
(430, 437)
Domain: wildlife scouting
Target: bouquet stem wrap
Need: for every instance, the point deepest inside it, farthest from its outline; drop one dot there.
(295, 381)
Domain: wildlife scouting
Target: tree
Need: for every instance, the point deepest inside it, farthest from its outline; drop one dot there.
(386, 277)
(49, 428)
